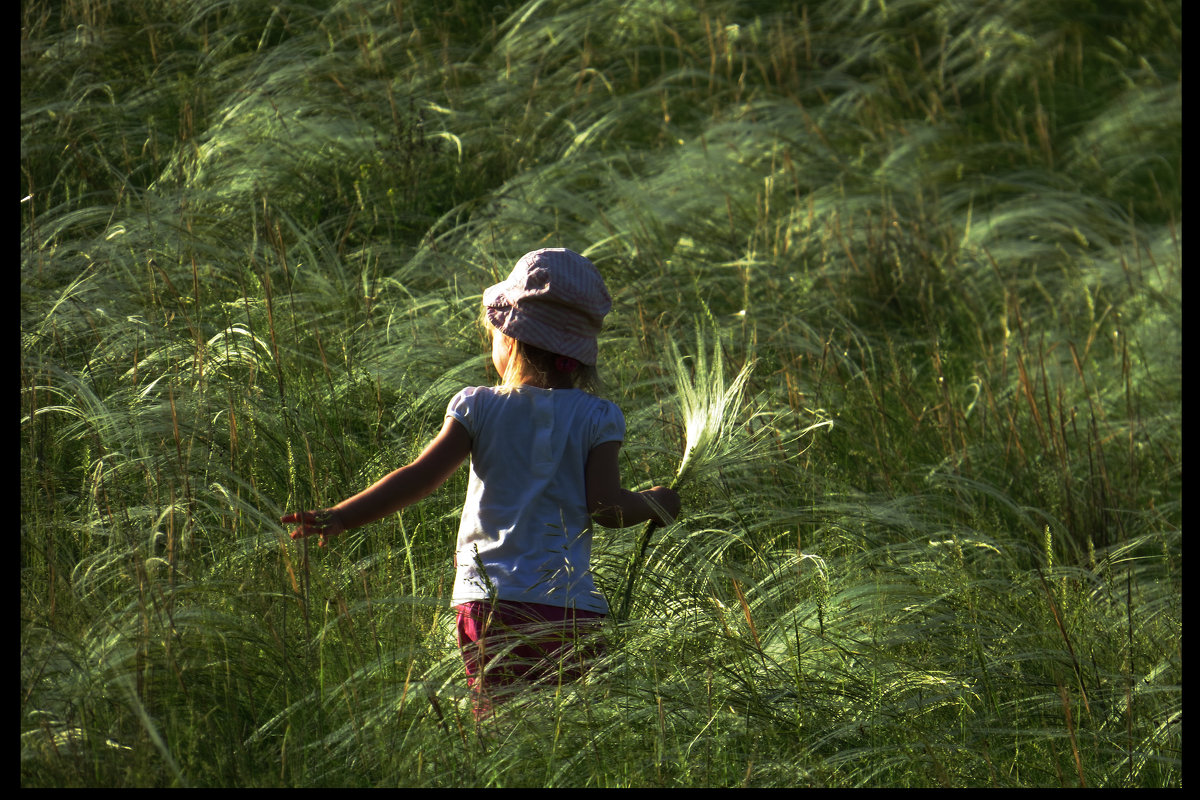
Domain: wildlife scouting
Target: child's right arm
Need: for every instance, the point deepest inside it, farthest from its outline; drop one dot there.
(615, 507)
(401, 488)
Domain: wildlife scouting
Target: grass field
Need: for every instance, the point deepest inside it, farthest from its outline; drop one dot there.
(938, 542)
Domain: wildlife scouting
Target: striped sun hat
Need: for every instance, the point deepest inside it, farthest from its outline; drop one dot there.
(554, 299)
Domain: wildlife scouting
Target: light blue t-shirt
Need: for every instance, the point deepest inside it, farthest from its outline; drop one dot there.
(526, 534)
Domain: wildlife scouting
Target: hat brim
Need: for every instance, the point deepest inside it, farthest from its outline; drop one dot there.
(526, 328)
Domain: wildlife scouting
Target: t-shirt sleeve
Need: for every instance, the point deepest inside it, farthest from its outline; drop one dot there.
(608, 424)
(463, 407)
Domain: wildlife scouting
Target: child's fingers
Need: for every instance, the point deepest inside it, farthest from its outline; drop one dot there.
(669, 500)
(312, 523)
(307, 520)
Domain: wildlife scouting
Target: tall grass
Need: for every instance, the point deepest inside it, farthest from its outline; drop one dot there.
(948, 235)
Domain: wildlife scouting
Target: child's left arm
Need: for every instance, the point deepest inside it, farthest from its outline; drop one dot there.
(401, 488)
(615, 507)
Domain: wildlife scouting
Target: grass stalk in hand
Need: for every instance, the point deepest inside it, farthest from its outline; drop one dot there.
(709, 408)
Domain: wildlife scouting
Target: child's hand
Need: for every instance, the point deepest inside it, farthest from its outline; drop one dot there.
(668, 499)
(319, 523)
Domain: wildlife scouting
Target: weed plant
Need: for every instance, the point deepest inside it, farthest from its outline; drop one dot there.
(936, 543)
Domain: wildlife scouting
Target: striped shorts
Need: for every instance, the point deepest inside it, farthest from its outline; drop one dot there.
(506, 645)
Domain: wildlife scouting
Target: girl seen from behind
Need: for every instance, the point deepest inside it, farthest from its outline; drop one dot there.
(543, 454)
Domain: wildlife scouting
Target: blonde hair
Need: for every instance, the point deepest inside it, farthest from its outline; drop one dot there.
(528, 361)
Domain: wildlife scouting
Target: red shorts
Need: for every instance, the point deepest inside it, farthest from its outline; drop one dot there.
(505, 644)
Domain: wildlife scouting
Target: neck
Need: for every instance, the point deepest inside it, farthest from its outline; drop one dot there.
(553, 382)
(542, 381)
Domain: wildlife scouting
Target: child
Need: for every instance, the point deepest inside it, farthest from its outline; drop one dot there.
(543, 467)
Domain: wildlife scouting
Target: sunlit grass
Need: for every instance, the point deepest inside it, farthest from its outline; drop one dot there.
(928, 435)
